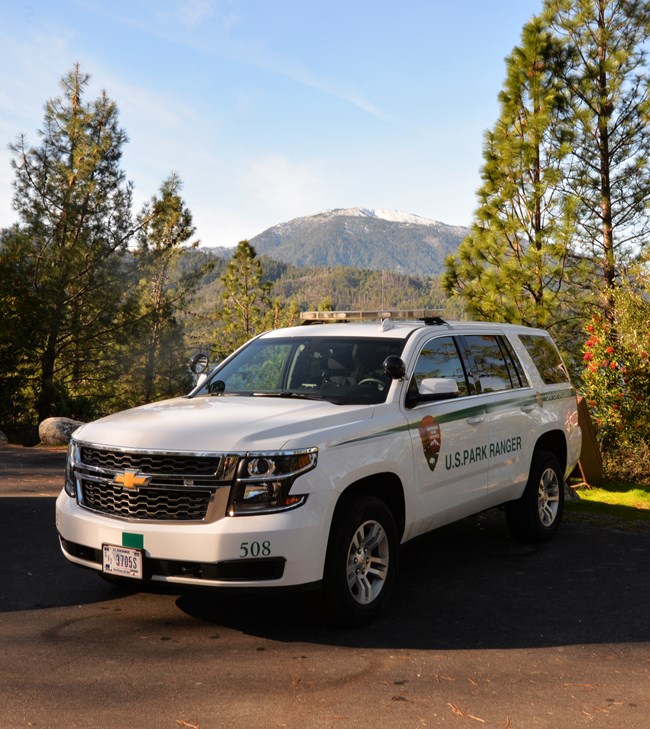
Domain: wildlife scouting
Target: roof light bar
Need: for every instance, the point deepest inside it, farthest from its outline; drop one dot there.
(372, 315)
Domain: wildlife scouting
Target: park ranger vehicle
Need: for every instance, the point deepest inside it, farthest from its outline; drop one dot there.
(311, 453)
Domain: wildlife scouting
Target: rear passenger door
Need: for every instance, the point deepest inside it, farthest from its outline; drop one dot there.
(510, 409)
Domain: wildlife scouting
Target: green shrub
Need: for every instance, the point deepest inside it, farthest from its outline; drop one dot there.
(616, 375)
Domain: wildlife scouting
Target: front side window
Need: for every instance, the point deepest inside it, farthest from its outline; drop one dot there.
(438, 360)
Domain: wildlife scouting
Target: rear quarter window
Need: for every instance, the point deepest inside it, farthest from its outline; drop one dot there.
(546, 358)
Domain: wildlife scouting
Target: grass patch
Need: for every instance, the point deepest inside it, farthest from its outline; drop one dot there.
(613, 500)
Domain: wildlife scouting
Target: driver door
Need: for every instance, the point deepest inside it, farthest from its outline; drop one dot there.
(449, 438)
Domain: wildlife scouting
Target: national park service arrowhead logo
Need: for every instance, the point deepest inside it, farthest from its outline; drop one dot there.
(430, 437)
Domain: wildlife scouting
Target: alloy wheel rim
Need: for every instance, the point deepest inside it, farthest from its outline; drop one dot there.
(548, 497)
(367, 565)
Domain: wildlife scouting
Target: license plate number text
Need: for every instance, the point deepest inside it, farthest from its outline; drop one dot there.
(122, 561)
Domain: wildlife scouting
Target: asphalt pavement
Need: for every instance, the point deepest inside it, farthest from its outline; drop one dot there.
(36, 471)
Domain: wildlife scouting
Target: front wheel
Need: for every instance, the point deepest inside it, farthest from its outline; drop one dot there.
(536, 516)
(362, 559)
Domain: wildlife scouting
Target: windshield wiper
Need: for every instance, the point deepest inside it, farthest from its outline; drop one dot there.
(290, 393)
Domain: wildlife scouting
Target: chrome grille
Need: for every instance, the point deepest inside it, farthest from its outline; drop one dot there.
(178, 487)
(151, 462)
(159, 504)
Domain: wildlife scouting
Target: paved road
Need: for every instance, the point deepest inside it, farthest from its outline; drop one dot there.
(485, 632)
(31, 471)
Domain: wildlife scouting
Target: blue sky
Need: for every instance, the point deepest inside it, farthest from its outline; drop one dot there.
(273, 109)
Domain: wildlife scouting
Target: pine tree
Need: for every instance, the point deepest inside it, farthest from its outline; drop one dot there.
(164, 230)
(513, 266)
(74, 206)
(245, 299)
(607, 88)
(20, 316)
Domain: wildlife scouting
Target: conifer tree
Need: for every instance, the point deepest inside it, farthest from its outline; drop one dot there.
(607, 88)
(513, 265)
(74, 205)
(245, 299)
(164, 230)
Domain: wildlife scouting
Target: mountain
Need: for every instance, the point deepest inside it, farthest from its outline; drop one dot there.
(361, 238)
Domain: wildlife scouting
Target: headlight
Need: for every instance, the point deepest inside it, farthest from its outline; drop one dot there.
(265, 479)
(70, 484)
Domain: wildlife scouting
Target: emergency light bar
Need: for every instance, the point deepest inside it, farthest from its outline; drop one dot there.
(427, 315)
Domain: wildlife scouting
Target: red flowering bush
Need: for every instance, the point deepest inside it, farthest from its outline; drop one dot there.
(616, 376)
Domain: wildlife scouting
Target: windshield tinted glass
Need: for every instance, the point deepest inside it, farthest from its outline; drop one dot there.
(345, 371)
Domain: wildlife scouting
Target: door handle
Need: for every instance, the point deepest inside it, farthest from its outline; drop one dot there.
(476, 420)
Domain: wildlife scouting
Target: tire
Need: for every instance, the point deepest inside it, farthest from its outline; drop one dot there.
(537, 515)
(362, 561)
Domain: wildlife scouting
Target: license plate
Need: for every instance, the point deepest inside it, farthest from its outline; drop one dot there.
(122, 561)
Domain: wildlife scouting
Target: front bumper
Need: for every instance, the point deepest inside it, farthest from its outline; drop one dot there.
(274, 550)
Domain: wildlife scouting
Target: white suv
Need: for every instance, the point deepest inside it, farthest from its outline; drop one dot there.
(311, 453)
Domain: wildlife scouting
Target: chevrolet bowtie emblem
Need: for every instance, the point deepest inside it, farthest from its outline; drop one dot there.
(130, 479)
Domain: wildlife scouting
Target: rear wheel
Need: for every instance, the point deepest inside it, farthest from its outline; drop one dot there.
(362, 559)
(536, 516)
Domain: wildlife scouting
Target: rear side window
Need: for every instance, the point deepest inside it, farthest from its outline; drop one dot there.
(546, 358)
(494, 364)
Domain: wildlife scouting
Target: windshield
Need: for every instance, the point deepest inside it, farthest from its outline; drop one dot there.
(342, 371)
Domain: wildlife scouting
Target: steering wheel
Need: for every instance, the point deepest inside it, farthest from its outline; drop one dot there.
(374, 380)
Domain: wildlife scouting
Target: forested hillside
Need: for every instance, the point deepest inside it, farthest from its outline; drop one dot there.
(377, 240)
(311, 287)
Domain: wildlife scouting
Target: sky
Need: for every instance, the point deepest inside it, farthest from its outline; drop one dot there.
(269, 110)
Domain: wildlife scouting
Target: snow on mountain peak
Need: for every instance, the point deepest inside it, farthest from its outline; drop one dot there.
(394, 216)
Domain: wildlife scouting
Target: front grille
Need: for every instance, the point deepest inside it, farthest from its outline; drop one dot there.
(151, 462)
(161, 504)
(178, 486)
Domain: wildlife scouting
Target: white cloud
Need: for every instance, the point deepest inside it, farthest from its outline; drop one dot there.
(215, 39)
(193, 12)
(236, 202)
(24, 85)
(276, 183)
(23, 89)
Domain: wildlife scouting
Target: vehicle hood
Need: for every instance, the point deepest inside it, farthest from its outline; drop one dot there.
(226, 423)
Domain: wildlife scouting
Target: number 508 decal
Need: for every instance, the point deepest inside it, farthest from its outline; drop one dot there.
(254, 549)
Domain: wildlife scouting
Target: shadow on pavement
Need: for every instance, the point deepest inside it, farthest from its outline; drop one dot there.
(470, 586)
(33, 572)
(465, 586)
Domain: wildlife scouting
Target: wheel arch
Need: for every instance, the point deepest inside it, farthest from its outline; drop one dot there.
(385, 486)
(554, 441)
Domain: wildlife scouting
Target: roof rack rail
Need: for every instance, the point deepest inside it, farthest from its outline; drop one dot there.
(428, 316)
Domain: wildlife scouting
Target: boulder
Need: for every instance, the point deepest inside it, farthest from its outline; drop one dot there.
(57, 431)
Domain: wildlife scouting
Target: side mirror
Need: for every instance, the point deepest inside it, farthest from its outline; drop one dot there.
(394, 367)
(431, 389)
(437, 388)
